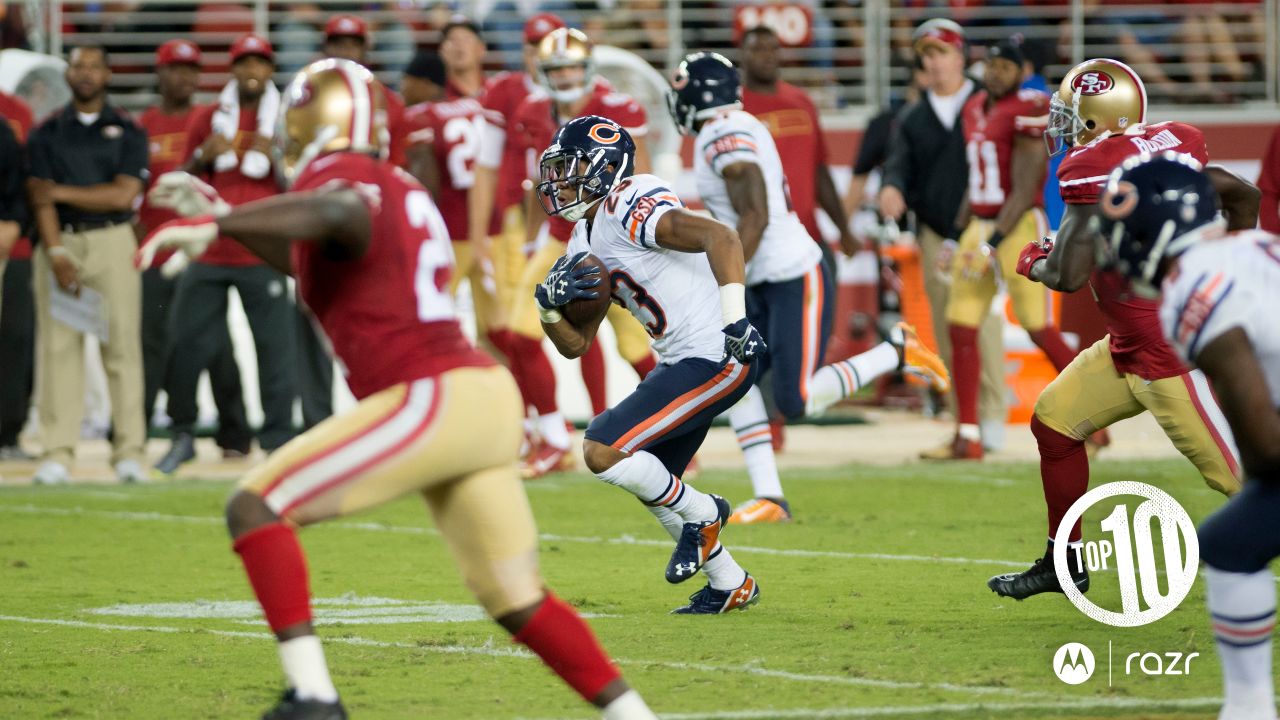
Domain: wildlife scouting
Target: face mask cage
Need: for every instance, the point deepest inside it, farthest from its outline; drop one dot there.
(560, 169)
(1064, 125)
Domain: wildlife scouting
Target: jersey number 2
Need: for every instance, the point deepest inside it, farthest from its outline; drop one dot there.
(462, 136)
(435, 259)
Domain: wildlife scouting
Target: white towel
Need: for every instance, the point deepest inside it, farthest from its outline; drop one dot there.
(226, 121)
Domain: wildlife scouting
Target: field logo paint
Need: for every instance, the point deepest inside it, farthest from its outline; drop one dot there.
(1073, 663)
(1125, 549)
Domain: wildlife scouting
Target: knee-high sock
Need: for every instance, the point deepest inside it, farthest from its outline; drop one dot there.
(277, 571)
(592, 366)
(536, 379)
(750, 421)
(645, 366)
(1242, 607)
(839, 380)
(723, 572)
(1064, 473)
(498, 339)
(966, 371)
(1050, 341)
(644, 476)
(671, 522)
(564, 642)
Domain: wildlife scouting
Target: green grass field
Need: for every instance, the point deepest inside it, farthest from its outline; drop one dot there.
(126, 602)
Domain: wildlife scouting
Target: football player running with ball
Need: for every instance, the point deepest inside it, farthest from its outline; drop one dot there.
(435, 416)
(1213, 288)
(1098, 118)
(789, 293)
(681, 275)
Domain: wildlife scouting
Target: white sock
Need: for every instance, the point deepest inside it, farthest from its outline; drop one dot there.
(628, 706)
(839, 380)
(304, 666)
(970, 431)
(1242, 606)
(551, 428)
(750, 421)
(672, 522)
(723, 572)
(644, 476)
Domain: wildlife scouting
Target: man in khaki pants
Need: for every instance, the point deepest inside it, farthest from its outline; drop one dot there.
(88, 163)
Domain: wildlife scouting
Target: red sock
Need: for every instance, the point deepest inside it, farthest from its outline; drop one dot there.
(965, 371)
(1055, 348)
(1064, 472)
(568, 647)
(536, 379)
(645, 366)
(498, 339)
(592, 365)
(278, 573)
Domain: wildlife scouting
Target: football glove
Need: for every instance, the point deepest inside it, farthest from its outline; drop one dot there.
(976, 263)
(187, 195)
(1032, 253)
(743, 342)
(566, 282)
(189, 237)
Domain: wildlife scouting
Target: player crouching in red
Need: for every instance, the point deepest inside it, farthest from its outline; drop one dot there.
(435, 416)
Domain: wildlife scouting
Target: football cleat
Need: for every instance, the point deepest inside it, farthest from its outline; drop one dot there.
(957, 448)
(181, 450)
(709, 601)
(697, 542)
(919, 362)
(545, 459)
(761, 510)
(1039, 578)
(291, 708)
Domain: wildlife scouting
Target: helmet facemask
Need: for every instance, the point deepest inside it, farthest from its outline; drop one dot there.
(589, 177)
(1065, 125)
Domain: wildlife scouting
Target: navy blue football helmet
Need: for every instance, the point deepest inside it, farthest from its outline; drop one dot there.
(587, 156)
(1153, 208)
(704, 83)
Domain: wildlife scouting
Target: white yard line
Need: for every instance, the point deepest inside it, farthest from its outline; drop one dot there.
(547, 537)
(999, 709)
(492, 651)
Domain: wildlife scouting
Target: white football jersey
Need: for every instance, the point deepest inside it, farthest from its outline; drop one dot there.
(1224, 284)
(673, 294)
(786, 251)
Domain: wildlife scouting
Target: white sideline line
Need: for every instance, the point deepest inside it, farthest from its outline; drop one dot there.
(547, 537)
(994, 708)
(491, 651)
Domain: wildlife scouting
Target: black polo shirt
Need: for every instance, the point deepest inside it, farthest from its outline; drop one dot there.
(68, 152)
(13, 193)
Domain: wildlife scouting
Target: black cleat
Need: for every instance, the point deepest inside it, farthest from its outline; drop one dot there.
(697, 542)
(291, 708)
(181, 450)
(1039, 578)
(709, 601)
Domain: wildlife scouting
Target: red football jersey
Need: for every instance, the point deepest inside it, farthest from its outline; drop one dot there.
(989, 139)
(388, 315)
(536, 124)
(15, 112)
(500, 101)
(1137, 342)
(792, 120)
(234, 186)
(395, 126)
(167, 146)
(453, 129)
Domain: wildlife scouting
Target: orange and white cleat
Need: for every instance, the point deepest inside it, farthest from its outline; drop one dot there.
(545, 459)
(698, 540)
(761, 510)
(918, 361)
(709, 601)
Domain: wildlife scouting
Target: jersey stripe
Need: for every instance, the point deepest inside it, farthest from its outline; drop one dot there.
(1098, 179)
(1216, 303)
(645, 224)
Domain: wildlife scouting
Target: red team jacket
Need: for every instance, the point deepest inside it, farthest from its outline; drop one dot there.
(989, 140)
(388, 314)
(792, 120)
(1137, 342)
(15, 112)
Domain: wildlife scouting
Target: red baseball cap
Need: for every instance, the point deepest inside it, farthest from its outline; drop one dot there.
(939, 31)
(346, 26)
(178, 52)
(537, 27)
(252, 45)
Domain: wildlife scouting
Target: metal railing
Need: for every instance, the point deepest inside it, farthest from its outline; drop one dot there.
(857, 55)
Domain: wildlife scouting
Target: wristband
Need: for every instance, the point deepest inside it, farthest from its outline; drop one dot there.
(733, 303)
(54, 251)
(549, 317)
(996, 237)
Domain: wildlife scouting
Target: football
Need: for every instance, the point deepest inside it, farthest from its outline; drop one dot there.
(585, 312)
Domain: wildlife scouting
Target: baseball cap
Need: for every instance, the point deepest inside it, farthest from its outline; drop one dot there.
(178, 52)
(1007, 50)
(426, 65)
(251, 44)
(458, 20)
(537, 27)
(939, 31)
(346, 26)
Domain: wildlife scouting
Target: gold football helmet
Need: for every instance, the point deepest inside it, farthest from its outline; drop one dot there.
(566, 47)
(1097, 97)
(330, 105)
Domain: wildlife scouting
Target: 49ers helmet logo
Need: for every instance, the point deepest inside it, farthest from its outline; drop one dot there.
(1093, 82)
(604, 133)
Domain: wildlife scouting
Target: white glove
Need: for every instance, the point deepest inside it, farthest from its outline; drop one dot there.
(190, 237)
(187, 195)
